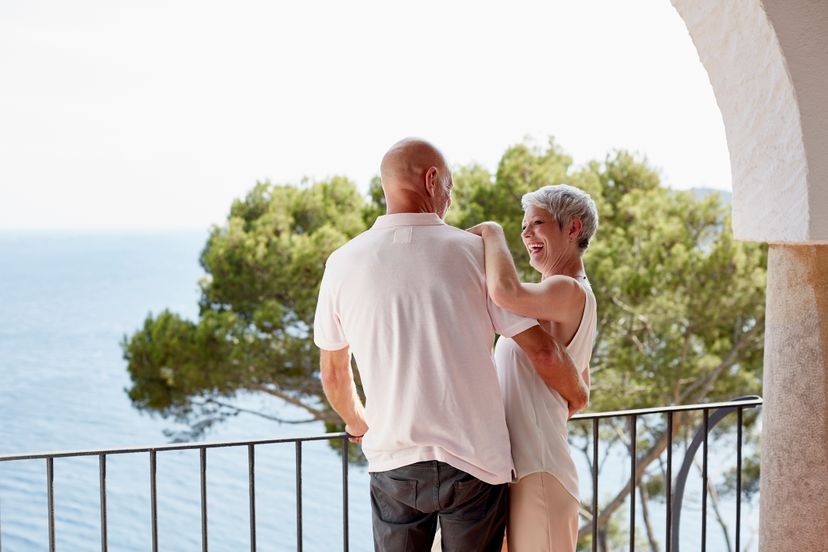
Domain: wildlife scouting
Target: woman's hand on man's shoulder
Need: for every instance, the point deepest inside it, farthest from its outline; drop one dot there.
(485, 228)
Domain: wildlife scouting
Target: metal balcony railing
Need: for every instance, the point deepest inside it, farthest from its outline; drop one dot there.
(712, 413)
(153, 451)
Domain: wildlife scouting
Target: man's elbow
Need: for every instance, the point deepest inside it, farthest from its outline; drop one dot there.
(546, 360)
(547, 363)
(556, 369)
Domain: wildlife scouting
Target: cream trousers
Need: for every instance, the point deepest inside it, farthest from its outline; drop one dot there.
(543, 517)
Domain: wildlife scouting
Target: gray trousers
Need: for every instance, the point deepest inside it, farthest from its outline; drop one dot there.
(407, 503)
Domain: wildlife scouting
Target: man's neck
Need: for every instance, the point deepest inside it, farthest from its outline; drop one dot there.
(410, 208)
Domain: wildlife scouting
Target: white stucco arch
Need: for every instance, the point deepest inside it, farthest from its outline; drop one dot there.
(768, 66)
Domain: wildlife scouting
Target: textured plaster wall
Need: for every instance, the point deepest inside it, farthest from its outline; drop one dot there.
(794, 477)
(772, 90)
(802, 30)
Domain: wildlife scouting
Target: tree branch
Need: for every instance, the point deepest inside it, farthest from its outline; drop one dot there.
(704, 385)
(318, 414)
(640, 317)
(714, 501)
(239, 410)
(645, 512)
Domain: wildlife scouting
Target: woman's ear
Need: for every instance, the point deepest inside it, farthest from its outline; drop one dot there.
(574, 230)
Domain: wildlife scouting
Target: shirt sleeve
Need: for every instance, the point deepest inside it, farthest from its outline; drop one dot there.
(327, 327)
(507, 323)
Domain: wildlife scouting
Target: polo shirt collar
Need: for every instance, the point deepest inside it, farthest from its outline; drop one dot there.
(408, 219)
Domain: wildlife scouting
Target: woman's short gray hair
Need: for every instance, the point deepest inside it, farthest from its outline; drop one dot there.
(564, 203)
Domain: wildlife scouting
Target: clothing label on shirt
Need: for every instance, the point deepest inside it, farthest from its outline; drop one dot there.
(403, 234)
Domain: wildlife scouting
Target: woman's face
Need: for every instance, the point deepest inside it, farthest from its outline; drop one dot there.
(544, 240)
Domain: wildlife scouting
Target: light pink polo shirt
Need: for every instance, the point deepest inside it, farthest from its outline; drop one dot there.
(409, 297)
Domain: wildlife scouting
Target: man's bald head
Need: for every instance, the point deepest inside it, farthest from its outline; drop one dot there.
(415, 178)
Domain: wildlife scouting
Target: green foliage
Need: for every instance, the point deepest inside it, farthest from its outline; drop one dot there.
(258, 298)
(376, 203)
(681, 304)
(175, 359)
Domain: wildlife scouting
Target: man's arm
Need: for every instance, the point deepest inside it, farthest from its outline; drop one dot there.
(554, 365)
(340, 389)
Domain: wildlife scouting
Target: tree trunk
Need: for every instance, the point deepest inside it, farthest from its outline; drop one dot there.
(645, 513)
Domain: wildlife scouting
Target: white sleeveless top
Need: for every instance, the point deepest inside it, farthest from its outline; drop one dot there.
(535, 414)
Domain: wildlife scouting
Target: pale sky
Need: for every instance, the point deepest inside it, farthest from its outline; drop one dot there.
(157, 114)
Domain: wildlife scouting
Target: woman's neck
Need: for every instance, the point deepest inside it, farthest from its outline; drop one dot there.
(573, 267)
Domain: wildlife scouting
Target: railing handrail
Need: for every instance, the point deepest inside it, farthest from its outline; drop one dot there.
(166, 447)
(744, 402)
(753, 400)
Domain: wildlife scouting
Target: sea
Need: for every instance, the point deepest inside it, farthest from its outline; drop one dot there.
(67, 299)
(66, 302)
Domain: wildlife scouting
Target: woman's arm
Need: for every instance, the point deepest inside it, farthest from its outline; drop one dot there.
(557, 298)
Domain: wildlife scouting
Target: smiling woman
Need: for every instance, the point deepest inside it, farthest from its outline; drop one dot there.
(117, 114)
(557, 226)
(662, 337)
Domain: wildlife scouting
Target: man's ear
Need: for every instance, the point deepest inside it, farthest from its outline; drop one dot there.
(431, 181)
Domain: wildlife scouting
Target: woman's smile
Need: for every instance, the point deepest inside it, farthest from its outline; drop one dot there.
(534, 248)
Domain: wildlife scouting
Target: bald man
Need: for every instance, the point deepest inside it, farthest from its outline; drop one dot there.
(408, 299)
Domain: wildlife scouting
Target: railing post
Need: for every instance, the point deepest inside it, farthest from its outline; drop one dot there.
(153, 501)
(50, 490)
(251, 486)
(669, 482)
(203, 470)
(345, 539)
(299, 496)
(738, 477)
(633, 459)
(704, 482)
(102, 485)
(595, 485)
